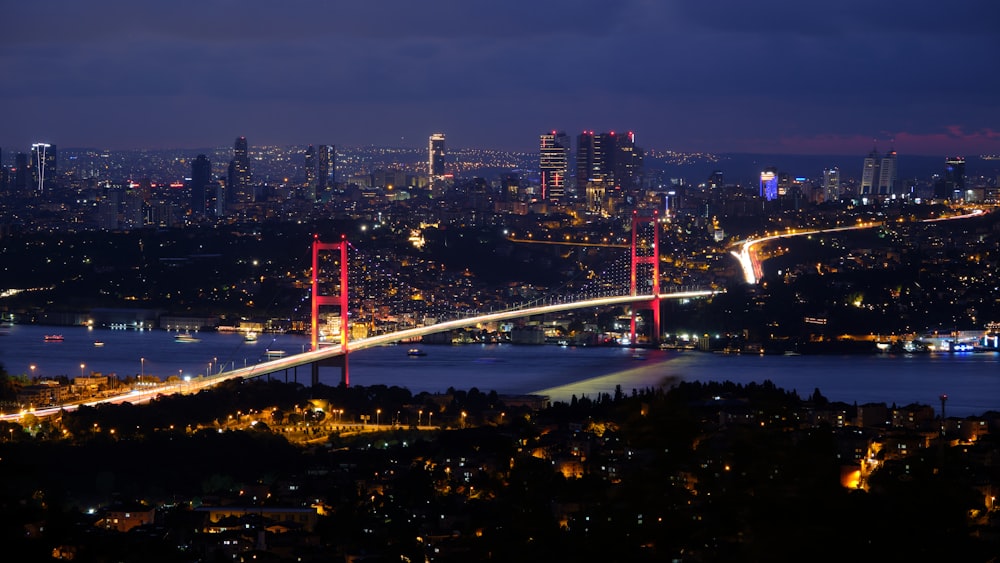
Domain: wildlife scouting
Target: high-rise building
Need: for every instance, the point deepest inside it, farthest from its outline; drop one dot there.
(310, 173)
(615, 160)
(326, 166)
(954, 176)
(870, 173)
(831, 184)
(238, 188)
(584, 160)
(201, 177)
(769, 184)
(887, 174)
(43, 165)
(435, 156)
(553, 163)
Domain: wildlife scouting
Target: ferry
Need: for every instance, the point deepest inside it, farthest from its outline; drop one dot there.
(185, 337)
(415, 353)
(98, 343)
(275, 354)
(250, 337)
(53, 338)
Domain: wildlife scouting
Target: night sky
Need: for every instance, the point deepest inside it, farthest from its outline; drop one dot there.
(767, 76)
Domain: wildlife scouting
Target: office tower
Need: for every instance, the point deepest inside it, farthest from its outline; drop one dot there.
(769, 184)
(887, 174)
(326, 165)
(616, 161)
(435, 156)
(628, 163)
(584, 160)
(954, 176)
(869, 174)
(831, 184)
(43, 165)
(310, 173)
(510, 187)
(553, 163)
(20, 173)
(201, 177)
(238, 189)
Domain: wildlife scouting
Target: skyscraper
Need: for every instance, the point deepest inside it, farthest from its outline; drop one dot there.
(831, 184)
(238, 189)
(553, 163)
(615, 160)
(954, 176)
(887, 174)
(43, 165)
(326, 165)
(584, 160)
(769, 184)
(201, 177)
(309, 164)
(435, 156)
(869, 174)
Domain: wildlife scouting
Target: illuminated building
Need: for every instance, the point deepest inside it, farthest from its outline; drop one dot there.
(584, 159)
(43, 164)
(326, 167)
(238, 185)
(310, 174)
(831, 184)
(553, 163)
(435, 156)
(769, 184)
(201, 177)
(887, 174)
(954, 176)
(869, 174)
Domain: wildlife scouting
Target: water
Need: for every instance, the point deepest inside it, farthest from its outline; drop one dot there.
(971, 381)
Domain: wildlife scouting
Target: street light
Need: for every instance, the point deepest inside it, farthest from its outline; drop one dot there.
(463, 419)
(81, 369)
(377, 413)
(430, 417)
(32, 367)
(420, 415)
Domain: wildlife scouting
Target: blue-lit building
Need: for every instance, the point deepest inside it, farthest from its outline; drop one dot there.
(769, 184)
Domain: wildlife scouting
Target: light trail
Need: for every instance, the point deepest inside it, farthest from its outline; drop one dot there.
(752, 270)
(324, 353)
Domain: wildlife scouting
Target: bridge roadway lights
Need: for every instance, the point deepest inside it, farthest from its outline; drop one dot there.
(336, 362)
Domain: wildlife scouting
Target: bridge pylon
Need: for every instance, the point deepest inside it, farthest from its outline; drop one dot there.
(338, 300)
(652, 257)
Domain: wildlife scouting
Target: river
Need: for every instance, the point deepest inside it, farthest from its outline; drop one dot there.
(971, 381)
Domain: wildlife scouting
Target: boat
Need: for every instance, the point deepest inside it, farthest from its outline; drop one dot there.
(98, 343)
(415, 352)
(274, 354)
(185, 337)
(250, 337)
(53, 338)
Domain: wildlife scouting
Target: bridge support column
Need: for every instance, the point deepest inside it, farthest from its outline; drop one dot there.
(340, 300)
(651, 256)
(336, 362)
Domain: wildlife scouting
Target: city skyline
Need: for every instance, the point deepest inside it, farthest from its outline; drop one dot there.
(772, 77)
